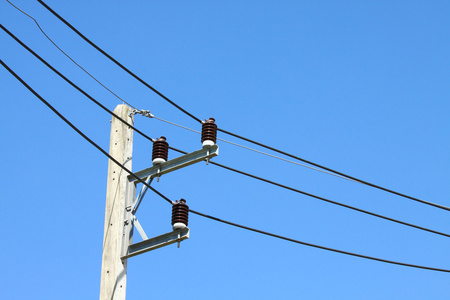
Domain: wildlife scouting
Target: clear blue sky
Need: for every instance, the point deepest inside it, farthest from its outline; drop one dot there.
(358, 86)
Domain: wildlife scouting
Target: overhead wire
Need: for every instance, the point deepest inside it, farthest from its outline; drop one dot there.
(120, 65)
(226, 141)
(196, 212)
(220, 165)
(443, 207)
(70, 82)
(77, 64)
(68, 56)
(314, 245)
(254, 150)
(248, 148)
(235, 144)
(79, 131)
(324, 199)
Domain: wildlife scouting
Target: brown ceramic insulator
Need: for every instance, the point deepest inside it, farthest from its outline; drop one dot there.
(209, 130)
(180, 212)
(160, 149)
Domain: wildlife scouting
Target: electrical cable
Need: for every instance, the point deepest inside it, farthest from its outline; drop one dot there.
(322, 198)
(217, 164)
(254, 150)
(70, 82)
(118, 63)
(248, 148)
(233, 134)
(338, 173)
(317, 246)
(193, 211)
(68, 56)
(80, 132)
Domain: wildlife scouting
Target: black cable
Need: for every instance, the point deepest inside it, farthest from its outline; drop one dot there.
(70, 82)
(214, 163)
(80, 132)
(193, 211)
(337, 172)
(322, 198)
(236, 135)
(317, 246)
(118, 63)
(68, 56)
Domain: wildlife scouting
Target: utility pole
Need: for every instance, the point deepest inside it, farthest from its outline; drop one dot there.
(119, 195)
(121, 204)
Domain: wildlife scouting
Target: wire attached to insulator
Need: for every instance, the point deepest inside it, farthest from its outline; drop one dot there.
(180, 214)
(160, 151)
(209, 132)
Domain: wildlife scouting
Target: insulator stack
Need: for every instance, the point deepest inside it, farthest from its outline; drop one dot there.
(209, 132)
(160, 151)
(180, 212)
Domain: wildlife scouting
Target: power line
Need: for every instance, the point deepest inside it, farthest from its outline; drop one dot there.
(223, 166)
(305, 193)
(316, 246)
(254, 150)
(344, 177)
(322, 198)
(214, 163)
(337, 172)
(193, 211)
(248, 148)
(80, 132)
(236, 135)
(68, 56)
(118, 63)
(70, 82)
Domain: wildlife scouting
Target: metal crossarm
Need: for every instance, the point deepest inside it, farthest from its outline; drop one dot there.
(177, 163)
(157, 242)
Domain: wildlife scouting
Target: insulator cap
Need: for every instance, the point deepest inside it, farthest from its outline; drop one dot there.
(209, 131)
(180, 212)
(160, 150)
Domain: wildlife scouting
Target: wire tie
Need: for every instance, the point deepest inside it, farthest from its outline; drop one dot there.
(146, 113)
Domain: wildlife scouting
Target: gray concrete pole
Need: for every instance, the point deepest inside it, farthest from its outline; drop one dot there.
(119, 195)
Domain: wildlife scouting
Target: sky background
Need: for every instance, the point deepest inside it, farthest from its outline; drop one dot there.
(359, 86)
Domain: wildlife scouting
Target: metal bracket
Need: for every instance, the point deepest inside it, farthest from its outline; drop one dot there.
(157, 242)
(177, 163)
(139, 228)
(176, 236)
(141, 195)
